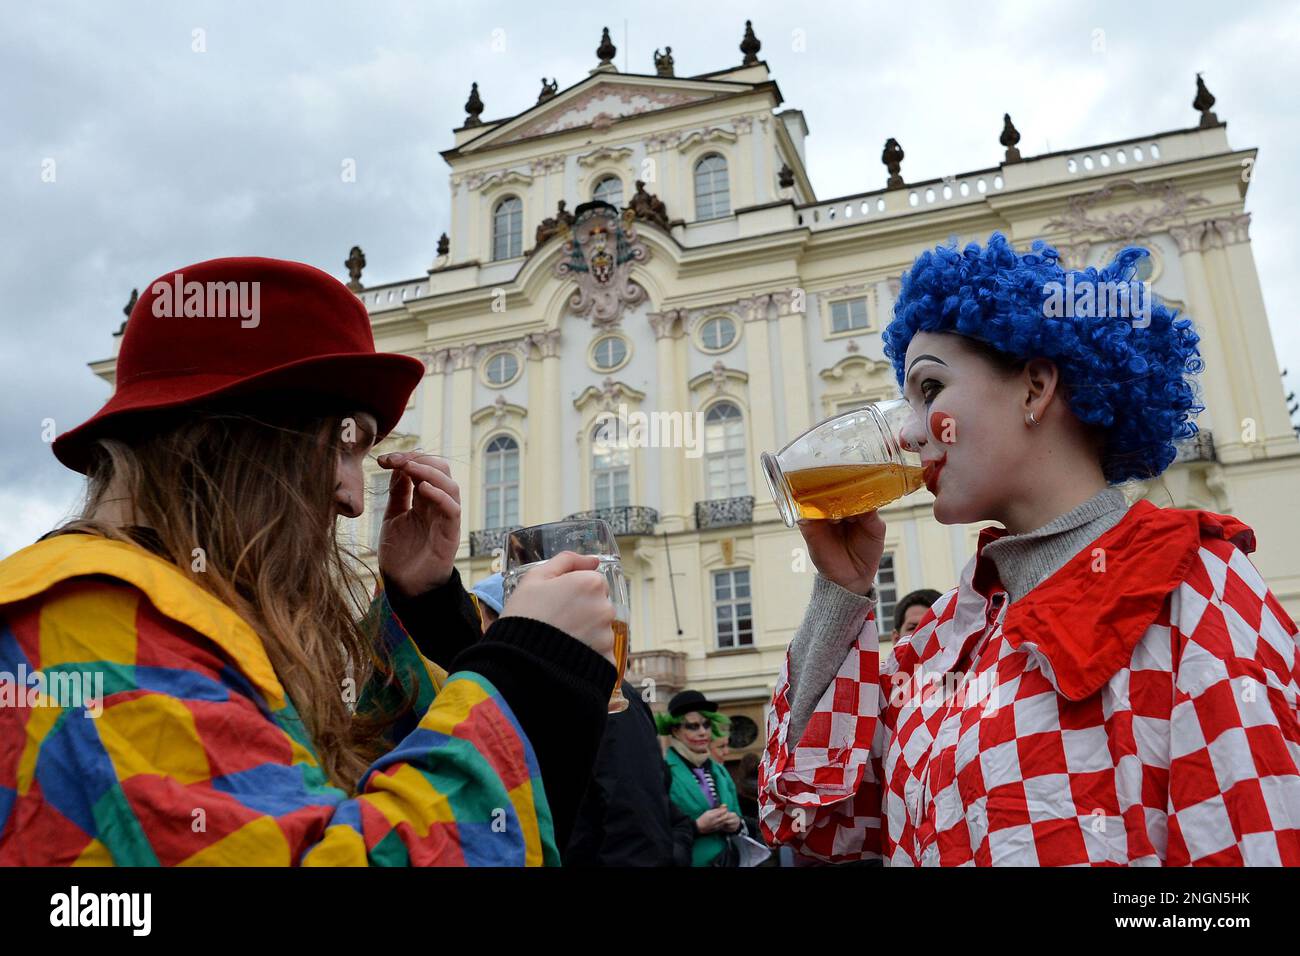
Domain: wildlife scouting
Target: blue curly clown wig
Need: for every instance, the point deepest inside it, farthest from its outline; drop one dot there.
(1129, 381)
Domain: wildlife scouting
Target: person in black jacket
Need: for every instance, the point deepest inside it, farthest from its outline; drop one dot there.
(626, 818)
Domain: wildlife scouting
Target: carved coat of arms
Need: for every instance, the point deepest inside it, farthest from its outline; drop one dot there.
(598, 255)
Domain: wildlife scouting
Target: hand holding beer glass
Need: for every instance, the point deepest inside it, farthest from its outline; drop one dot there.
(845, 467)
(526, 548)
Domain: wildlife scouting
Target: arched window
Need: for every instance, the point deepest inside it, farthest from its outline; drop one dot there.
(501, 483)
(724, 452)
(508, 228)
(610, 466)
(712, 189)
(610, 190)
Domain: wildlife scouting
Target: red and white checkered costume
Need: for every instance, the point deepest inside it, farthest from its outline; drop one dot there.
(1137, 707)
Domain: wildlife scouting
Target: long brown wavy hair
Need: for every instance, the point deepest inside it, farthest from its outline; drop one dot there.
(257, 496)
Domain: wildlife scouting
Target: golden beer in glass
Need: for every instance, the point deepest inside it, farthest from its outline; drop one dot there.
(847, 465)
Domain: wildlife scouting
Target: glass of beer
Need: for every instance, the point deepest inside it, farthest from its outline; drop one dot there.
(526, 548)
(847, 465)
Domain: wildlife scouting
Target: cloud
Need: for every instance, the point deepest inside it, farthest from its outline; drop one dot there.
(167, 156)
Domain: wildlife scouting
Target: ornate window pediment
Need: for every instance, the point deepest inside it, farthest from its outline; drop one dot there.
(857, 379)
(498, 413)
(719, 379)
(607, 397)
(610, 154)
(715, 134)
(505, 177)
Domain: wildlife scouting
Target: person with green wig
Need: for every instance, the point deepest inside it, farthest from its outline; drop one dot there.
(700, 787)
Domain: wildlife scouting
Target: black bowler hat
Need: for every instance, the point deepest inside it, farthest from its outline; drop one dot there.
(689, 700)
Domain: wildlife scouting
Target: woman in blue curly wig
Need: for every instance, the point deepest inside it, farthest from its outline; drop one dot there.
(1106, 684)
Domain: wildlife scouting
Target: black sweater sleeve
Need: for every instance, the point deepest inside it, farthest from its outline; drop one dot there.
(558, 689)
(442, 622)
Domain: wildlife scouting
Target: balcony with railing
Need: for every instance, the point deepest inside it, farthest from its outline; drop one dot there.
(488, 540)
(1126, 156)
(724, 512)
(393, 295)
(1200, 447)
(625, 521)
(665, 671)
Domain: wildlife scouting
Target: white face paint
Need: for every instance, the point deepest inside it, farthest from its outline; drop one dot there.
(969, 427)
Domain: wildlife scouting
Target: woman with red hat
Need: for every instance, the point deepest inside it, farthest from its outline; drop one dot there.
(191, 670)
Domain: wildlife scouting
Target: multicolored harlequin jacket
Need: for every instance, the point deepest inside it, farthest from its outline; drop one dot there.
(158, 733)
(1144, 712)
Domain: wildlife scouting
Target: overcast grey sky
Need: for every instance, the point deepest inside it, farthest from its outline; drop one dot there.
(165, 156)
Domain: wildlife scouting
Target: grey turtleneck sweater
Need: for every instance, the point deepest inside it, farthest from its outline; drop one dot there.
(834, 615)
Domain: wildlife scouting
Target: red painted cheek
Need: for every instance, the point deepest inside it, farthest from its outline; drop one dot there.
(943, 427)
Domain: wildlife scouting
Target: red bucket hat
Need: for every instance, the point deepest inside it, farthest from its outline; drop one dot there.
(241, 327)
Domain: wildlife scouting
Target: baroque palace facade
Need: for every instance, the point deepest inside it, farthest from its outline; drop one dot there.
(713, 287)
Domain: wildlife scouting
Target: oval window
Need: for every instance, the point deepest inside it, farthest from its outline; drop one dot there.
(717, 333)
(609, 353)
(502, 368)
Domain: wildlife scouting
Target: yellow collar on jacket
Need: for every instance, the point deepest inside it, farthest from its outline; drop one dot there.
(44, 564)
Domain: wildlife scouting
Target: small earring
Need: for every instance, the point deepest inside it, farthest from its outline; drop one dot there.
(1030, 420)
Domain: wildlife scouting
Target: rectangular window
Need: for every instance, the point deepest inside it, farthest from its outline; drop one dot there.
(887, 593)
(733, 612)
(376, 507)
(727, 475)
(848, 315)
(610, 489)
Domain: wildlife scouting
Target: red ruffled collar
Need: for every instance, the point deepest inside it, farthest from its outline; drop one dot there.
(1087, 617)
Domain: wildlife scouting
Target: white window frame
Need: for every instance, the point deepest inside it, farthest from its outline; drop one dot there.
(609, 460)
(848, 302)
(886, 592)
(514, 225)
(708, 205)
(731, 453)
(732, 602)
(716, 349)
(594, 362)
(501, 494)
(487, 363)
(608, 177)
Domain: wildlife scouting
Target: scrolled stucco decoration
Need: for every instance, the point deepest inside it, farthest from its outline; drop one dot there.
(613, 154)
(670, 323)
(477, 182)
(599, 257)
(462, 357)
(722, 379)
(717, 134)
(657, 142)
(856, 378)
(1212, 233)
(608, 396)
(547, 343)
(547, 164)
(1130, 224)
